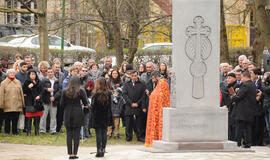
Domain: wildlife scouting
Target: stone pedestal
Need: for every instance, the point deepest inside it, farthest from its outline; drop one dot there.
(195, 129)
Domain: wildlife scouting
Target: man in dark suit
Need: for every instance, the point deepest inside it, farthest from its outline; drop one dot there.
(226, 94)
(134, 95)
(259, 121)
(244, 109)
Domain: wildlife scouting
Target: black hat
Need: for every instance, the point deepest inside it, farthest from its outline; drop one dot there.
(231, 75)
(129, 67)
(23, 63)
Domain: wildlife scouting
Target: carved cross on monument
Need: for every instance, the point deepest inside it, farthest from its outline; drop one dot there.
(198, 48)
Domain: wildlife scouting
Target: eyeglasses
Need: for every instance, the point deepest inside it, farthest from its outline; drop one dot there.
(84, 70)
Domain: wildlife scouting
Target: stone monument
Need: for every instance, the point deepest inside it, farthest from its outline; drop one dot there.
(195, 121)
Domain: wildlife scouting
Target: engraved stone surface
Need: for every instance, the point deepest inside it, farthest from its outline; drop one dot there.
(196, 30)
(197, 122)
(198, 48)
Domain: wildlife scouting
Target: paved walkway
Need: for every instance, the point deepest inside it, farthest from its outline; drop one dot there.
(120, 152)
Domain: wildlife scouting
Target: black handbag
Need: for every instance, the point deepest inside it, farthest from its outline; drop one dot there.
(30, 109)
(38, 105)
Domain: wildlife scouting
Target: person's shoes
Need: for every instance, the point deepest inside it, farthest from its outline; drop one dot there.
(116, 137)
(239, 144)
(28, 133)
(141, 139)
(128, 139)
(75, 157)
(53, 133)
(99, 154)
(17, 133)
(102, 152)
(24, 130)
(71, 157)
(246, 146)
(42, 133)
(109, 137)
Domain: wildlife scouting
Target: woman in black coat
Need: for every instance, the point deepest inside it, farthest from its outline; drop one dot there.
(101, 114)
(71, 100)
(33, 90)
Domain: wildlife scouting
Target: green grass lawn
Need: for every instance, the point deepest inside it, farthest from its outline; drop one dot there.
(60, 139)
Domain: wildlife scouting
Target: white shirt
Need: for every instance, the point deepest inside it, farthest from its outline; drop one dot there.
(52, 84)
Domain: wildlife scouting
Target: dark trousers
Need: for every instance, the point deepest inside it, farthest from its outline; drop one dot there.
(11, 117)
(59, 118)
(144, 121)
(231, 128)
(258, 130)
(133, 123)
(36, 124)
(244, 131)
(2, 118)
(101, 138)
(73, 136)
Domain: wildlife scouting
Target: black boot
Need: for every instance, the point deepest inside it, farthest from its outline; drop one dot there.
(36, 123)
(102, 152)
(99, 153)
(29, 124)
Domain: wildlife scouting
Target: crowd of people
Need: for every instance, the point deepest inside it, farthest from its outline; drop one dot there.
(244, 90)
(101, 96)
(87, 96)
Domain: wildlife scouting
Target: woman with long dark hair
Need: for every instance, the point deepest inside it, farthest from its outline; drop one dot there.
(102, 116)
(71, 99)
(163, 70)
(32, 89)
(115, 79)
(141, 68)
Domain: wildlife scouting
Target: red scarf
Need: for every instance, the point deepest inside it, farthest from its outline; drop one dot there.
(11, 78)
(43, 73)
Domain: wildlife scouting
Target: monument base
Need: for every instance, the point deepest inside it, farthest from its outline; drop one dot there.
(195, 129)
(225, 146)
(179, 147)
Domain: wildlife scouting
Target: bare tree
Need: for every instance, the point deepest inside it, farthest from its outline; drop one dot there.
(42, 21)
(224, 51)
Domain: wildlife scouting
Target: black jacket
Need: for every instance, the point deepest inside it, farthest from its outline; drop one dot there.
(101, 113)
(245, 99)
(134, 94)
(73, 111)
(266, 96)
(31, 93)
(259, 106)
(56, 93)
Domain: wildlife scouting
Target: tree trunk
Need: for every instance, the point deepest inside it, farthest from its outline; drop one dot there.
(224, 52)
(117, 35)
(43, 30)
(133, 41)
(258, 47)
(258, 44)
(133, 27)
(263, 20)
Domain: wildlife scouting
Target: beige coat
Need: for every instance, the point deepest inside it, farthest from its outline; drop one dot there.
(11, 96)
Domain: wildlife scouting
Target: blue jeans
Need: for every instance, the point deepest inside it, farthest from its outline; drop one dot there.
(267, 121)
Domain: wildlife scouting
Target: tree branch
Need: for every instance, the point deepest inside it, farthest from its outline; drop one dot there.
(159, 18)
(31, 10)
(9, 10)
